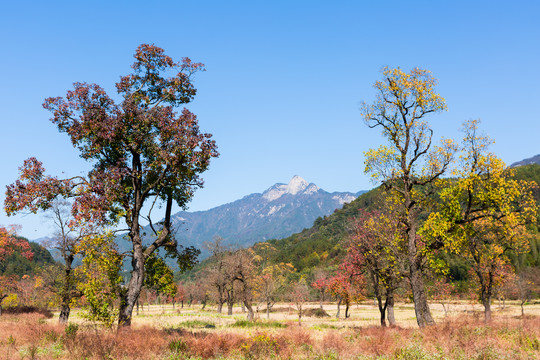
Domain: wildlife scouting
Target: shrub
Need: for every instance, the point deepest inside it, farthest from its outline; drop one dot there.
(318, 312)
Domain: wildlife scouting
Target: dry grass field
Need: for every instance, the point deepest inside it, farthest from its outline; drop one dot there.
(161, 332)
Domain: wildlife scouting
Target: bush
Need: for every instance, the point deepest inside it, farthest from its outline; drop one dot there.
(318, 312)
(71, 330)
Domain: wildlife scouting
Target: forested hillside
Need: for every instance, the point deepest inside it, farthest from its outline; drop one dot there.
(18, 265)
(321, 245)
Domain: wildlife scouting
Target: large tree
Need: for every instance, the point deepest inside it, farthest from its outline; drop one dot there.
(483, 213)
(141, 151)
(408, 165)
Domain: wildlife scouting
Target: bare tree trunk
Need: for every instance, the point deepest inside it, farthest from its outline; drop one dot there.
(67, 292)
(378, 297)
(487, 309)
(204, 301)
(390, 309)
(382, 310)
(250, 315)
(64, 314)
(347, 305)
(129, 297)
(486, 287)
(219, 306)
(421, 307)
(2, 297)
(268, 309)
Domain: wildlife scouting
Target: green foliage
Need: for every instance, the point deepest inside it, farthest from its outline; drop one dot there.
(101, 282)
(258, 324)
(177, 346)
(260, 347)
(71, 330)
(159, 276)
(196, 324)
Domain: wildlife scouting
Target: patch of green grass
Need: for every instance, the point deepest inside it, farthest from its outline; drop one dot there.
(324, 326)
(196, 324)
(263, 324)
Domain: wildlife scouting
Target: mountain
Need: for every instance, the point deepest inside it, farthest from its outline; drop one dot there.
(280, 211)
(532, 160)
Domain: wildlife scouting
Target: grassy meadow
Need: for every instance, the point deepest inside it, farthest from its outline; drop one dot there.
(164, 332)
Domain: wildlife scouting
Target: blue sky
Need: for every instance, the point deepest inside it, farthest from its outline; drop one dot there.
(284, 79)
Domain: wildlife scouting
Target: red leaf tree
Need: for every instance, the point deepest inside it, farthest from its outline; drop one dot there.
(141, 151)
(9, 243)
(347, 285)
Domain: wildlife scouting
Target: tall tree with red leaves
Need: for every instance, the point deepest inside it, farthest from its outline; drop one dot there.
(141, 151)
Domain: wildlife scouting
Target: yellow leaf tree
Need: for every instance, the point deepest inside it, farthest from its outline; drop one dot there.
(408, 165)
(483, 213)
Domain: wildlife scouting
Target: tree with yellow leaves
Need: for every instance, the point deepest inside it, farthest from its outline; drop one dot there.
(409, 164)
(101, 279)
(483, 213)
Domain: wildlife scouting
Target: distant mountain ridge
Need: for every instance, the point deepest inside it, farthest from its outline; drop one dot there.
(281, 210)
(532, 160)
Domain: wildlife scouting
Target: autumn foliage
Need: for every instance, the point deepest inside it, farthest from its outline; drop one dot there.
(140, 148)
(9, 243)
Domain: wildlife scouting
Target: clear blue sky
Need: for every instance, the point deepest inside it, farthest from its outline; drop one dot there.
(283, 83)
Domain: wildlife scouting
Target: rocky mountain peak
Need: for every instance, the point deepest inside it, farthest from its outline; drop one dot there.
(296, 185)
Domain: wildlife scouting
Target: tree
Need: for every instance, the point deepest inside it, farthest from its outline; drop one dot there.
(528, 285)
(299, 295)
(101, 280)
(141, 151)
(180, 294)
(483, 213)
(321, 284)
(271, 282)
(347, 286)
(376, 246)
(441, 291)
(218, 275)
(409, 165)
(67, 237)
(243, 268)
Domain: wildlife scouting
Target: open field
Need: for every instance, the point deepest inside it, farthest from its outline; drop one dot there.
(161, 332)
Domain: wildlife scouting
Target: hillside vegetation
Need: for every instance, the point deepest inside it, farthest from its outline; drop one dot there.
(321, 245)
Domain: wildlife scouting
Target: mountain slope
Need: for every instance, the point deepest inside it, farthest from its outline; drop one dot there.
(529, 161)
(280, 211)
(322, 243)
